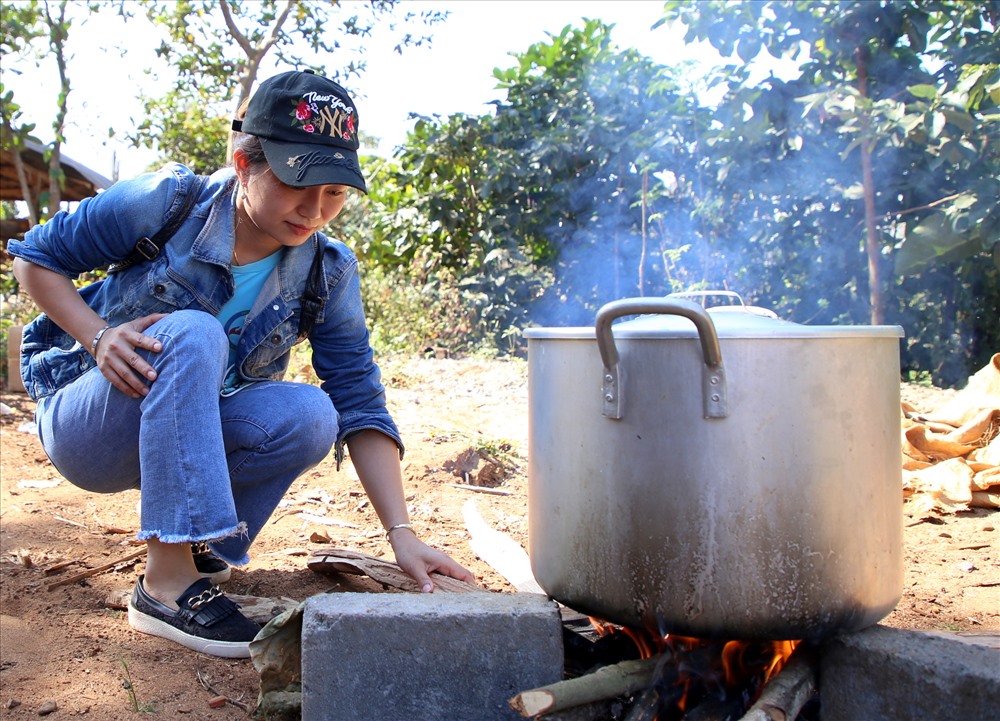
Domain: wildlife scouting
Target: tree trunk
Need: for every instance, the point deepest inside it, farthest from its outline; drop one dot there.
(645, 236)
(58, 34)
(876, 295)
(30, 199)
(255, 54)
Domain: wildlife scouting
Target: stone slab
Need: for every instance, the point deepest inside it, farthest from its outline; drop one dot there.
(887, 673)
(426, 657)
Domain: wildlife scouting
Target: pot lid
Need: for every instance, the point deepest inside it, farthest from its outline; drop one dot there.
(731, 321)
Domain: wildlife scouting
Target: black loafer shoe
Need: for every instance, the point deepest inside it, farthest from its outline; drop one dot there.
(206, 621)
(209, 565)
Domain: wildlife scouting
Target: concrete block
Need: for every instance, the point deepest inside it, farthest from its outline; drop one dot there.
(426, 657)
(887, 673)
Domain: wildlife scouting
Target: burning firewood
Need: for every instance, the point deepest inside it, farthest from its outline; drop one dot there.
(618, 679)
(785, 694)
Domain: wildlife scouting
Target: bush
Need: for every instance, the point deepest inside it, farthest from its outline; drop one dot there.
(407, 314)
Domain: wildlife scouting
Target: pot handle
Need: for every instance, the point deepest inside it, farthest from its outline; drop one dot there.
(713, 373)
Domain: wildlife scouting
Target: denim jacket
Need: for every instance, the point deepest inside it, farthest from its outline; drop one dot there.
(193, 272)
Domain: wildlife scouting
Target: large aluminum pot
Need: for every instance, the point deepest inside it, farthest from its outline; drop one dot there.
(716, 473)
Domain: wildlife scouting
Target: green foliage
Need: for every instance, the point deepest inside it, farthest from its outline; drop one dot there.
(194, 131)
(552, 206)
(601, 176)
(410, 316)
(427, 221)
(145, 707)
(21, 25)
(610, 163)
(25, 23)
(14, 132)
(217, 48)
(916, 85)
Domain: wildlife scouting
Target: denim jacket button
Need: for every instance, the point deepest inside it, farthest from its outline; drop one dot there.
(274, 307)
(275, 339)
(159, 288)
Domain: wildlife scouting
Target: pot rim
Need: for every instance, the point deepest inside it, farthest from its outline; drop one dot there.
(792, 330)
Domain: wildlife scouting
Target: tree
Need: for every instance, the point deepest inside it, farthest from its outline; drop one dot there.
(900, 130)
(560, 201)
(600, 176)
(588, 140)
(23, 23)
(217, 48)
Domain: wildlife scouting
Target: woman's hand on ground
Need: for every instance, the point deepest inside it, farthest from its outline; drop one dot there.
(119, 361)
(420, 560)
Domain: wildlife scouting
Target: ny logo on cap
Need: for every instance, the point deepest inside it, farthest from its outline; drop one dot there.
(323, 115)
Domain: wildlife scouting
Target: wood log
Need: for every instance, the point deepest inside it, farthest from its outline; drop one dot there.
(784, 695)
(607, 682)
(596, 711)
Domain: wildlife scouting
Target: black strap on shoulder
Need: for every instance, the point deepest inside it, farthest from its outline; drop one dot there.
(149, 248)
(312, 298)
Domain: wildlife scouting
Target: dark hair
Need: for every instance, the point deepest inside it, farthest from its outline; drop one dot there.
(249, 144)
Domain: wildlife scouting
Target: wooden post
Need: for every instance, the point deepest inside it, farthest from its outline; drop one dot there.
(14, 384)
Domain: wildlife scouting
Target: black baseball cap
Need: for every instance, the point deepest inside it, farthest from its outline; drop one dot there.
(308, 126)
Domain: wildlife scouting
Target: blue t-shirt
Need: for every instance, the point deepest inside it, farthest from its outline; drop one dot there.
(249, 280)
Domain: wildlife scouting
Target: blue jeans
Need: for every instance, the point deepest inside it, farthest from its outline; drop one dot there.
(208, 468)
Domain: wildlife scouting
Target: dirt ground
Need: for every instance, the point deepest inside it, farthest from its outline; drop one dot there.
(68, 646)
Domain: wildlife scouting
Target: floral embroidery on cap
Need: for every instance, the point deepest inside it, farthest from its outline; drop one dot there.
(334, 118)
(302, 113)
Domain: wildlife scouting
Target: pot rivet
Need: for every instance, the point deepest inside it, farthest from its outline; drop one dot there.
(715, 397)
(609, 397)
(608, 378)
(714, 380)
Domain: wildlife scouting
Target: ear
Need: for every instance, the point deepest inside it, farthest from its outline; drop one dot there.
(241, 164)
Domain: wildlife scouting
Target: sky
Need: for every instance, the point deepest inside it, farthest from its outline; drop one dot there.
(454, 74)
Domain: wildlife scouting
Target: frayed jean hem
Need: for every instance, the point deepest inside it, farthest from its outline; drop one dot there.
(240, 529)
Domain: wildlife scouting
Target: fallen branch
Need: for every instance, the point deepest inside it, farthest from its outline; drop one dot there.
(607, 682)
(785, 694)
(313, 518)
(94, 571)
(62, 566)
(479, 489)
(207, 685)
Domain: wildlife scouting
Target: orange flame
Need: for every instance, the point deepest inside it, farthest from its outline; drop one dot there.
(744, 663)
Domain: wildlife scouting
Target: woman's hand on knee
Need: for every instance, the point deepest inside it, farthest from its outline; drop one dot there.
(118, 358)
